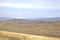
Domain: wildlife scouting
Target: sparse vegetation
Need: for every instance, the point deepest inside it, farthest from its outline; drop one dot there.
(45, 31)
(4, 35)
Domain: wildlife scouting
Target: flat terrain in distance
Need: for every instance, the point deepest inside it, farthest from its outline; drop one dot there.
(42, 29)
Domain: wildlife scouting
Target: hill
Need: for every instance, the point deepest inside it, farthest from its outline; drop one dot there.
(5, 35)
(48, 19)
(48, 29)
(32, 19)
(4, 18)
(34, 27)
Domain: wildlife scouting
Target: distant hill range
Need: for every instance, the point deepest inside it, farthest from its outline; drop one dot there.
(4, 18)
(35, 20)
(48, 19)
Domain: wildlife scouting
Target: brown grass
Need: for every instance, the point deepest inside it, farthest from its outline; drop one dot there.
(4, 35)
(44, 29)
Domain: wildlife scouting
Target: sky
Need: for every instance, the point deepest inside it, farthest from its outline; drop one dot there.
(30, 8)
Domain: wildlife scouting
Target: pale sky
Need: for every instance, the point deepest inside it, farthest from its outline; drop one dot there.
(30, 8)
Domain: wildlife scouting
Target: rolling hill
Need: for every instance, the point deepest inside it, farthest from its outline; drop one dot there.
(5, 35)
(33, 27)
(4, 18)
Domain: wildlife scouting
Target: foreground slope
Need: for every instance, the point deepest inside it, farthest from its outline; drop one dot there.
(45, 29)
(4, 35)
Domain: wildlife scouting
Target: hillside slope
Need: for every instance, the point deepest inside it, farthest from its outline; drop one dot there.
(4, 35)
(45, 29)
